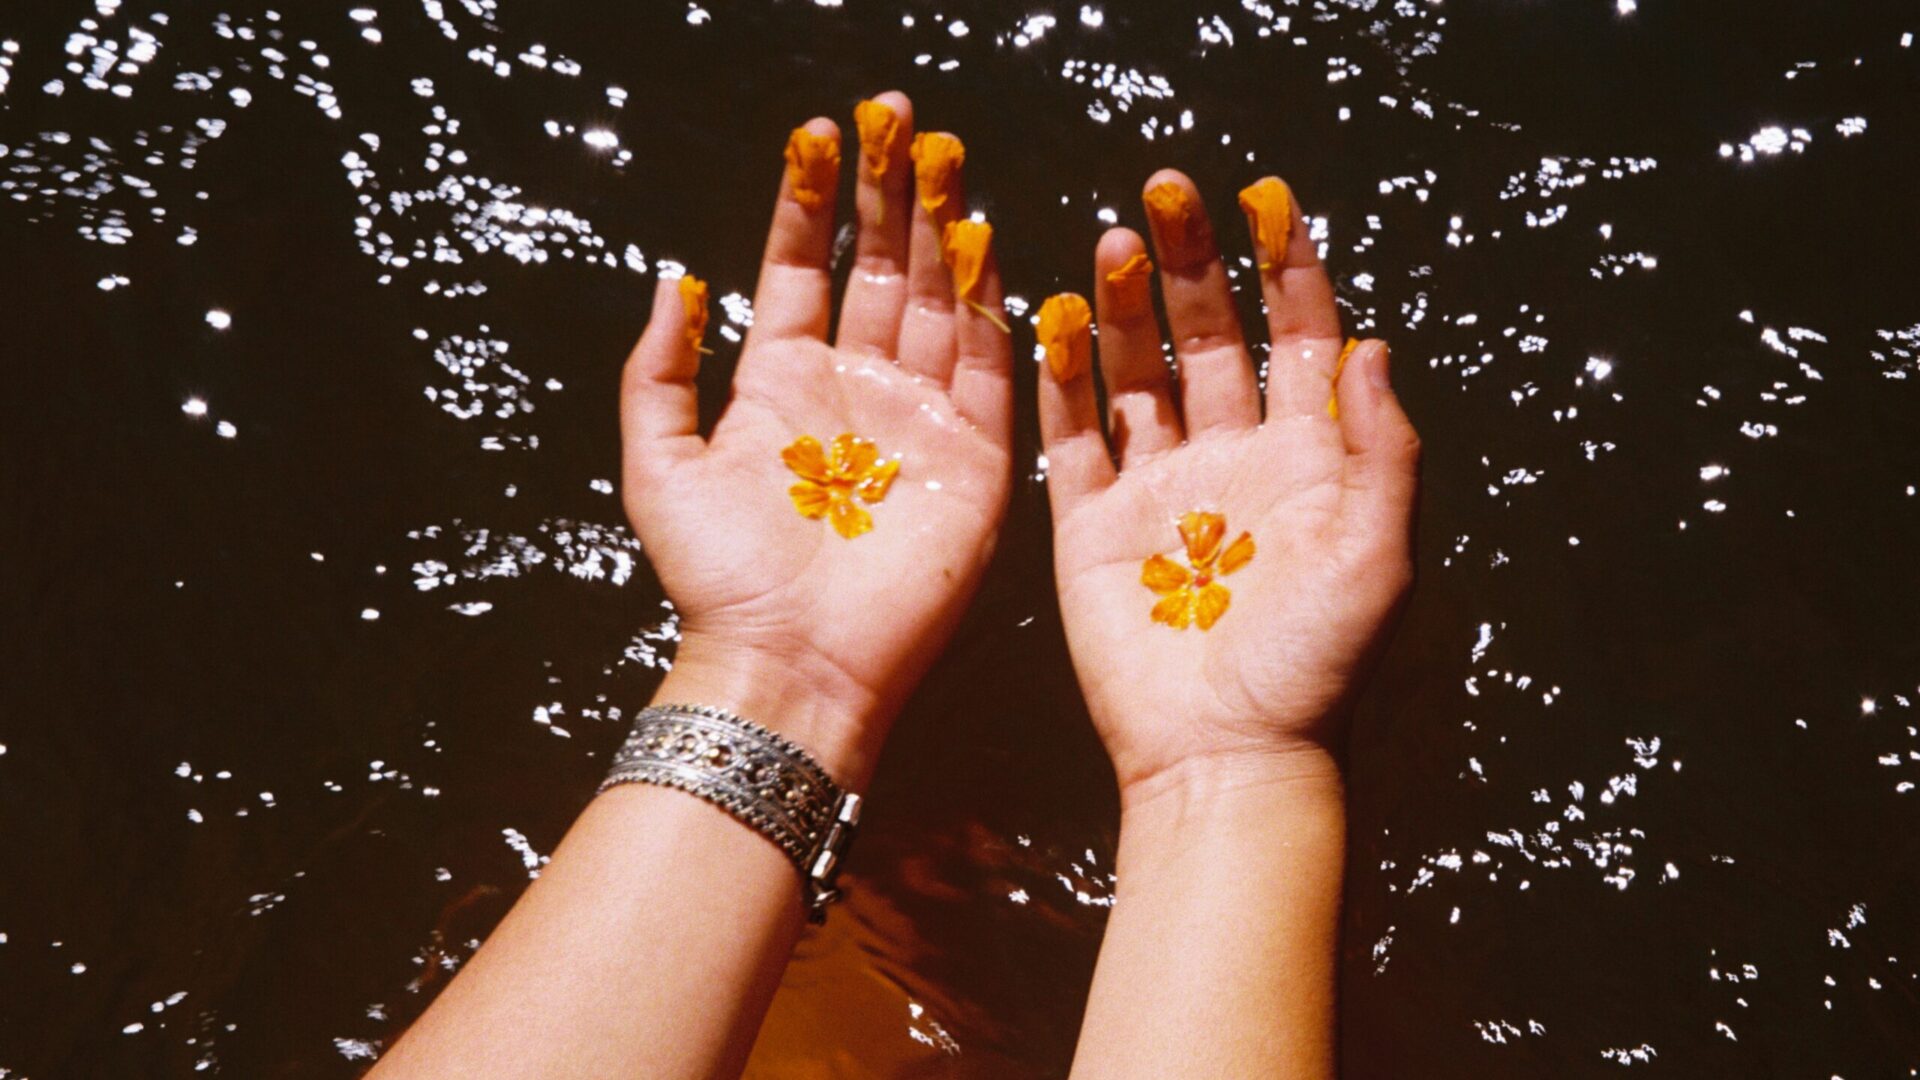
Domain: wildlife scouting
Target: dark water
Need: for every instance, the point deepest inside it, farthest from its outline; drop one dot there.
(322, 616)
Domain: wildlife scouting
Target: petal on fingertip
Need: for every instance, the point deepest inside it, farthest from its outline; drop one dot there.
(879, 126)
(693, 303)
(813, 167)
(1064, 328)
(937, 157)
(1269, 209)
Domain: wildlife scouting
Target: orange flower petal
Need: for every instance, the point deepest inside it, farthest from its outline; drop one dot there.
(964, 244)
(693, 301)
(1202, 532)
(1065, 330)
(875, 487)
(807, 459)
(851, 456)
(1136, 268)
(810, 499)
(1209, 604)
(937, 157)
(1178, 223)
(1175, 609)
(1238, 554)
(1269, 209)
(849, 520)
(1163, 575)
(1333, 400)
(879, 125)
(813, 167)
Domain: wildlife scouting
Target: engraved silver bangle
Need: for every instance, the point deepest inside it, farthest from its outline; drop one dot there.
(764, 780)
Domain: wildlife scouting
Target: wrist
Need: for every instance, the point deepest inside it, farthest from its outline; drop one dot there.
(841, 724)
(1307, 776)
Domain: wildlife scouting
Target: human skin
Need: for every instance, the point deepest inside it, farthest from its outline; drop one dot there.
(1219, 958)
(652, 943)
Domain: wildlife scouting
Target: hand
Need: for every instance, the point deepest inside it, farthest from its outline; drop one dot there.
(1326, 504)
(809, 624)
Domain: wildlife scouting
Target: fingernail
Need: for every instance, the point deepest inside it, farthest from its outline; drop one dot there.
(937, 157)
(1269, 209)
(1065, 330)
(693, 303)
(813, 167)
(1333, 399)
(1131, 292)
(879, 126)
(1179, 226)
(1379, 374)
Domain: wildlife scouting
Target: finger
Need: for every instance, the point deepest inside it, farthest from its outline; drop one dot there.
(982, 384)
(1302, 322)
(795, 294)
(1217, 384)
(1141, 416)
(877, 291)
(659, 407)
(1383, 450)
(1077, 461)
(927, 329)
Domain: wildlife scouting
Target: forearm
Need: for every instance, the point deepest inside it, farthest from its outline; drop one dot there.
(1219, 958)
(652, 942)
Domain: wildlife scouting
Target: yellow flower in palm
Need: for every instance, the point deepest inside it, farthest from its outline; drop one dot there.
(1194, 595)
(831, 478)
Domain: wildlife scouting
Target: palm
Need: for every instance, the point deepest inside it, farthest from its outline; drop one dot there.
(856, 584)
(1272, 661)
(746, 562)
(1190, 639)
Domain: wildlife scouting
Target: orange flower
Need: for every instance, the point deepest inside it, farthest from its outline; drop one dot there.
(937, 157)
(1269, 210)
(879, 126)
(1178, 223)
(964, 244)
(813, 167)
(1193, 596)
(1333, 399)
(830, 479)
(1064, 328)
(693, 301)
(1130, 289)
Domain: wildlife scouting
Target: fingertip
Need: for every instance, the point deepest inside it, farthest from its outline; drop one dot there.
(1116, 246)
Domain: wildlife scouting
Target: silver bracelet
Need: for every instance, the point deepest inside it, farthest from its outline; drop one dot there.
(764, 780)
